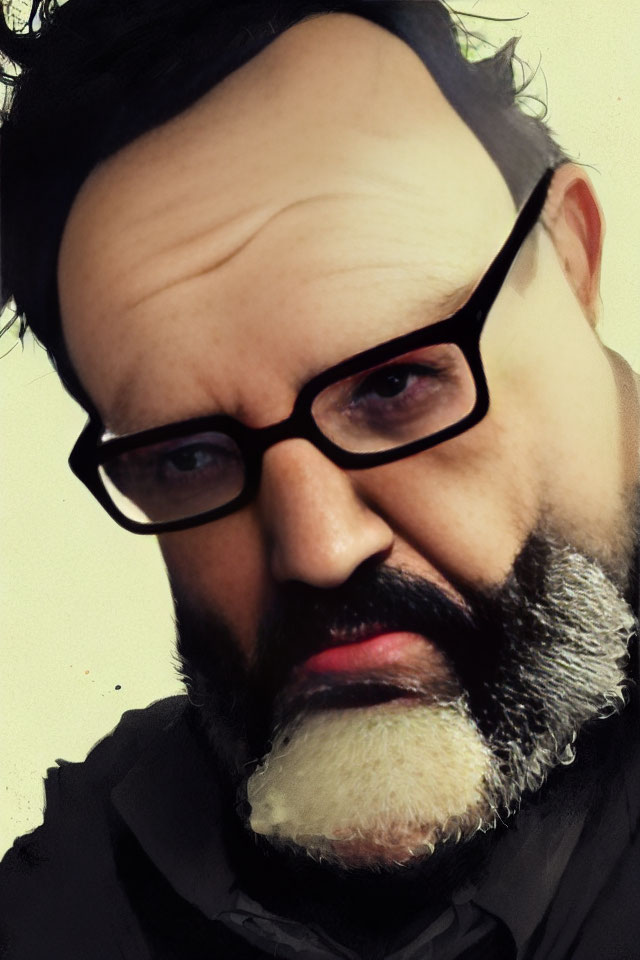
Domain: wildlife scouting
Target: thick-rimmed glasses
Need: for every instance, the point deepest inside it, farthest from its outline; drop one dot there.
(386, 403)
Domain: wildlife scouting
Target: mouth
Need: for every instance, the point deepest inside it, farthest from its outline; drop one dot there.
(362, 655)
(369, 666)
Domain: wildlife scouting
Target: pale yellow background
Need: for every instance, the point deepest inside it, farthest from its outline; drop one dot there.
(85, 605)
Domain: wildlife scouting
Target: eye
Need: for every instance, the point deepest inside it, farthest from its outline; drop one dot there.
(391, 382)
(176, 478)
(398, 390)
(191, 458)
(194, 460)
(406, 399)
(209, 459)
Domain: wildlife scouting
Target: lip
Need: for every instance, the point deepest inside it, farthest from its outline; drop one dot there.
(382, 650)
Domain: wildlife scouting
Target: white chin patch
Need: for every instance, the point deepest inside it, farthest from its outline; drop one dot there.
(373, 786)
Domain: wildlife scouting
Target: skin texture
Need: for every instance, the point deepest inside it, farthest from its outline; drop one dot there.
(322, 199)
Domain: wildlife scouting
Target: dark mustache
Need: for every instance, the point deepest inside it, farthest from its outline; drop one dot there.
(304, 618)
(484, 638)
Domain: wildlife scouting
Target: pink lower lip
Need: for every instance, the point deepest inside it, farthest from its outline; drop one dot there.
(380, 651)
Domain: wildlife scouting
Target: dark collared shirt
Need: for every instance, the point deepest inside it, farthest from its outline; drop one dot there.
(132, 863)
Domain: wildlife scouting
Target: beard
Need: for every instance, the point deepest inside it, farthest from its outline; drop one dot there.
(379, 771)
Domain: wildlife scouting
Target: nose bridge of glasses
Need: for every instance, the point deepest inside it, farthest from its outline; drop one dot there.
(298, 425)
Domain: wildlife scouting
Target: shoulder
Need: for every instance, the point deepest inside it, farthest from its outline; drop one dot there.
(137, 730)
(67, 863)
(76, 784)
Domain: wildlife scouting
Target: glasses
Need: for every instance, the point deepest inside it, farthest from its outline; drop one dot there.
(388, 402)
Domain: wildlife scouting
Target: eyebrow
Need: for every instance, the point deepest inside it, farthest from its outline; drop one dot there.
(449, 304)
(428, 310)
(436, 308)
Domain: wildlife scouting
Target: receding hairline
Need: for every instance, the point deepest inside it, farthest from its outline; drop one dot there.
(280, 66)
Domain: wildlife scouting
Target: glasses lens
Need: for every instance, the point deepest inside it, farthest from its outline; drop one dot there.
(174, 480)
(409, 398)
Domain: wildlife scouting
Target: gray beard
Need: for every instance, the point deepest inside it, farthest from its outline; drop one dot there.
(567, 666)
(561, 663)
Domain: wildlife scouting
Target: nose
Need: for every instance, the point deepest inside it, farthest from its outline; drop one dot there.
(318, 529)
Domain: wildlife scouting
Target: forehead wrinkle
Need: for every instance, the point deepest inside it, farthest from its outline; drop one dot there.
(209, 264)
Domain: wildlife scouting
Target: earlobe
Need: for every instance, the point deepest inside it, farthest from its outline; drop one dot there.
(575, 222)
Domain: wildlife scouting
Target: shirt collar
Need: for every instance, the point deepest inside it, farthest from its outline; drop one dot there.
(171, 802)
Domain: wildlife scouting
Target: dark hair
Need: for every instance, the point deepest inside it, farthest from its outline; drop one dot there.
(96, 74)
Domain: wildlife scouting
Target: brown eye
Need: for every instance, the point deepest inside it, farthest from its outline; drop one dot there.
(385, 383)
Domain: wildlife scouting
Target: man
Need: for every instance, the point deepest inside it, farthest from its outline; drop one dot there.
(329, 301)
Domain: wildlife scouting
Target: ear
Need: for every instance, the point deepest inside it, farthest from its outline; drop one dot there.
(575, 223)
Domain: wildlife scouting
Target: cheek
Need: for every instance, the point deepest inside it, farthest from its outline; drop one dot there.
(554, 394)
(220, 567)
(466, 507)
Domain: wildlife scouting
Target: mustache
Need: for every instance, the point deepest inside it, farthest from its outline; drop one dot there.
(305, 620)
(246, 699)
(475, 635)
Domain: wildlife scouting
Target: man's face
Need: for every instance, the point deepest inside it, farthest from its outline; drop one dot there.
(321, 200)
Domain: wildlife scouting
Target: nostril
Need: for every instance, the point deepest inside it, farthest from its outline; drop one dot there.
(371, 564)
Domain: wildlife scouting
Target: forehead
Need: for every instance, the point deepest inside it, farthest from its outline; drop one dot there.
(320, 193)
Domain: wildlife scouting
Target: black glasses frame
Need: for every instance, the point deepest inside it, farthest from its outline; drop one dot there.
(464, 328)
